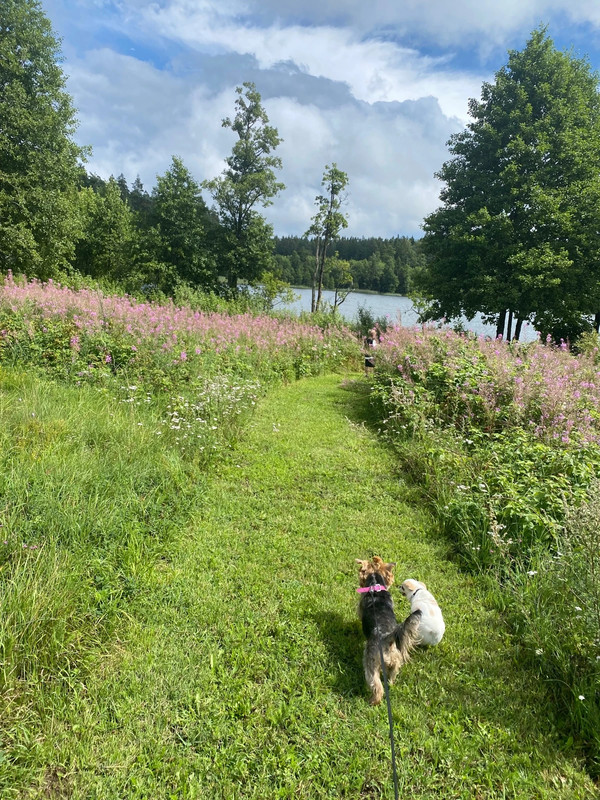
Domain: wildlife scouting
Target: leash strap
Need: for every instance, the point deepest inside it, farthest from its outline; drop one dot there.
(386, 686)
(390, 719)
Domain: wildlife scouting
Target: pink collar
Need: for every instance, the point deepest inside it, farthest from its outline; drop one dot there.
(378, 587)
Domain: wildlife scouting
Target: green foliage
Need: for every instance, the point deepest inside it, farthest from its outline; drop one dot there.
(244, 256)
(326, 225)
(516, 506)
(556, 610)
(366, 321)
(107, 237)
(244, 246)
(38, 158)
(375, 264)
(518, 226)
(180, 221)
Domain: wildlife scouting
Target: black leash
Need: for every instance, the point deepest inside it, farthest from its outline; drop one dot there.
(386, 686)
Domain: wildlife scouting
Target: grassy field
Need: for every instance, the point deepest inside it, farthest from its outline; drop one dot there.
(236, 672)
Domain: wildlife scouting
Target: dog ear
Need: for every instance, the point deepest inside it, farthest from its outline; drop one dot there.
(390, 566)
(361, 562)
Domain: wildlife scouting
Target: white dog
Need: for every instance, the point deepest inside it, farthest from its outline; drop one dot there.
(431, 627)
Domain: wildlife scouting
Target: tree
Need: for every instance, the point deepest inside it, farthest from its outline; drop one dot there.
(516, 238)
(105, 247)
(140, 203)
(245, 244)
(38, 158)
(326, 225)
(123, 188)
(338, 277)
(180, 220)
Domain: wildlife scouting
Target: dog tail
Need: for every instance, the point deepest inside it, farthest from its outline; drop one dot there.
(406, 634)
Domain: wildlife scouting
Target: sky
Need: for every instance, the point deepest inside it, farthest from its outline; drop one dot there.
(377, 87)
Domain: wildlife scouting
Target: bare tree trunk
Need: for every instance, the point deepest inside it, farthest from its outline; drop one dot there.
(518, 327)
(320, 281)
(320, 269)
(313, 300)
(597, 322)
(500, 324)
(509, 326)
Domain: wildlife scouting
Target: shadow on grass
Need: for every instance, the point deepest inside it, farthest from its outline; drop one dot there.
(344, 642)
(358, 407)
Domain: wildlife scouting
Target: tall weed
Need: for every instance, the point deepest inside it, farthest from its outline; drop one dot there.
(505, 442)
(556, 610)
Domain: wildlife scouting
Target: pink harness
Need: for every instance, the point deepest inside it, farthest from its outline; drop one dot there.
(378, 587)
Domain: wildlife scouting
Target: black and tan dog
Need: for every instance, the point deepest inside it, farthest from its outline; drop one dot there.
(376, 610)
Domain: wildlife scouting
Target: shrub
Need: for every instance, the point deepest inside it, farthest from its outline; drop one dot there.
(556, 610)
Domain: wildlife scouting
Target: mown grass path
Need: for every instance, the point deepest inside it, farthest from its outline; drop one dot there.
(241, 676)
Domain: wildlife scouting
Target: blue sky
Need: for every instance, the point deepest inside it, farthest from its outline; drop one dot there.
(377, 87)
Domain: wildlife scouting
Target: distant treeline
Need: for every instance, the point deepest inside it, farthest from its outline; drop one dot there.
(374, 264)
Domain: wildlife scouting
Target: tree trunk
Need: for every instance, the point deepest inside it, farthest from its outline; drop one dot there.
(320, 257)
(320, 282)
(518, 327)
(500, 324)
(597, 322)
(509, 326)
(313, 299)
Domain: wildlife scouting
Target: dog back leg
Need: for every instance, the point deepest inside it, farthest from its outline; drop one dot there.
(393, 662)
(371, 662)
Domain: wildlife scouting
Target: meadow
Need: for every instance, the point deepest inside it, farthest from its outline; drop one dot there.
(112, 412)
(504, 441)
(171, 511)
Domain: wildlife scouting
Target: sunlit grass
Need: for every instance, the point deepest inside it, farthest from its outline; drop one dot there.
(239, 674)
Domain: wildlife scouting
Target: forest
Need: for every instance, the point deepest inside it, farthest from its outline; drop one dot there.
(514, 239)
(369, 263)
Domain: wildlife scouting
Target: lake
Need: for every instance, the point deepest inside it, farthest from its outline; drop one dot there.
(396, 308)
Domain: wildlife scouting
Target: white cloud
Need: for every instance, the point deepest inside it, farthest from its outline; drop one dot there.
(386, 151)
(481, 24)
(342, 81)
(138, 116)
(374, 69)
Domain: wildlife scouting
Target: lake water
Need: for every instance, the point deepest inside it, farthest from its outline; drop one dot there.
(396, 308)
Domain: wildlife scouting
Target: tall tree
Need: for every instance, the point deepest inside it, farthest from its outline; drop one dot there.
(326, 225)
(516, 238)
(245, 245)
(105, 247)
(38, 157)
(180, 220)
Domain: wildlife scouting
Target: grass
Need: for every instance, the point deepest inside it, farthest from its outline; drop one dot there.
(237, 672)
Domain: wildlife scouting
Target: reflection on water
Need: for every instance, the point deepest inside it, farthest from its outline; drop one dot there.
(396, 308)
